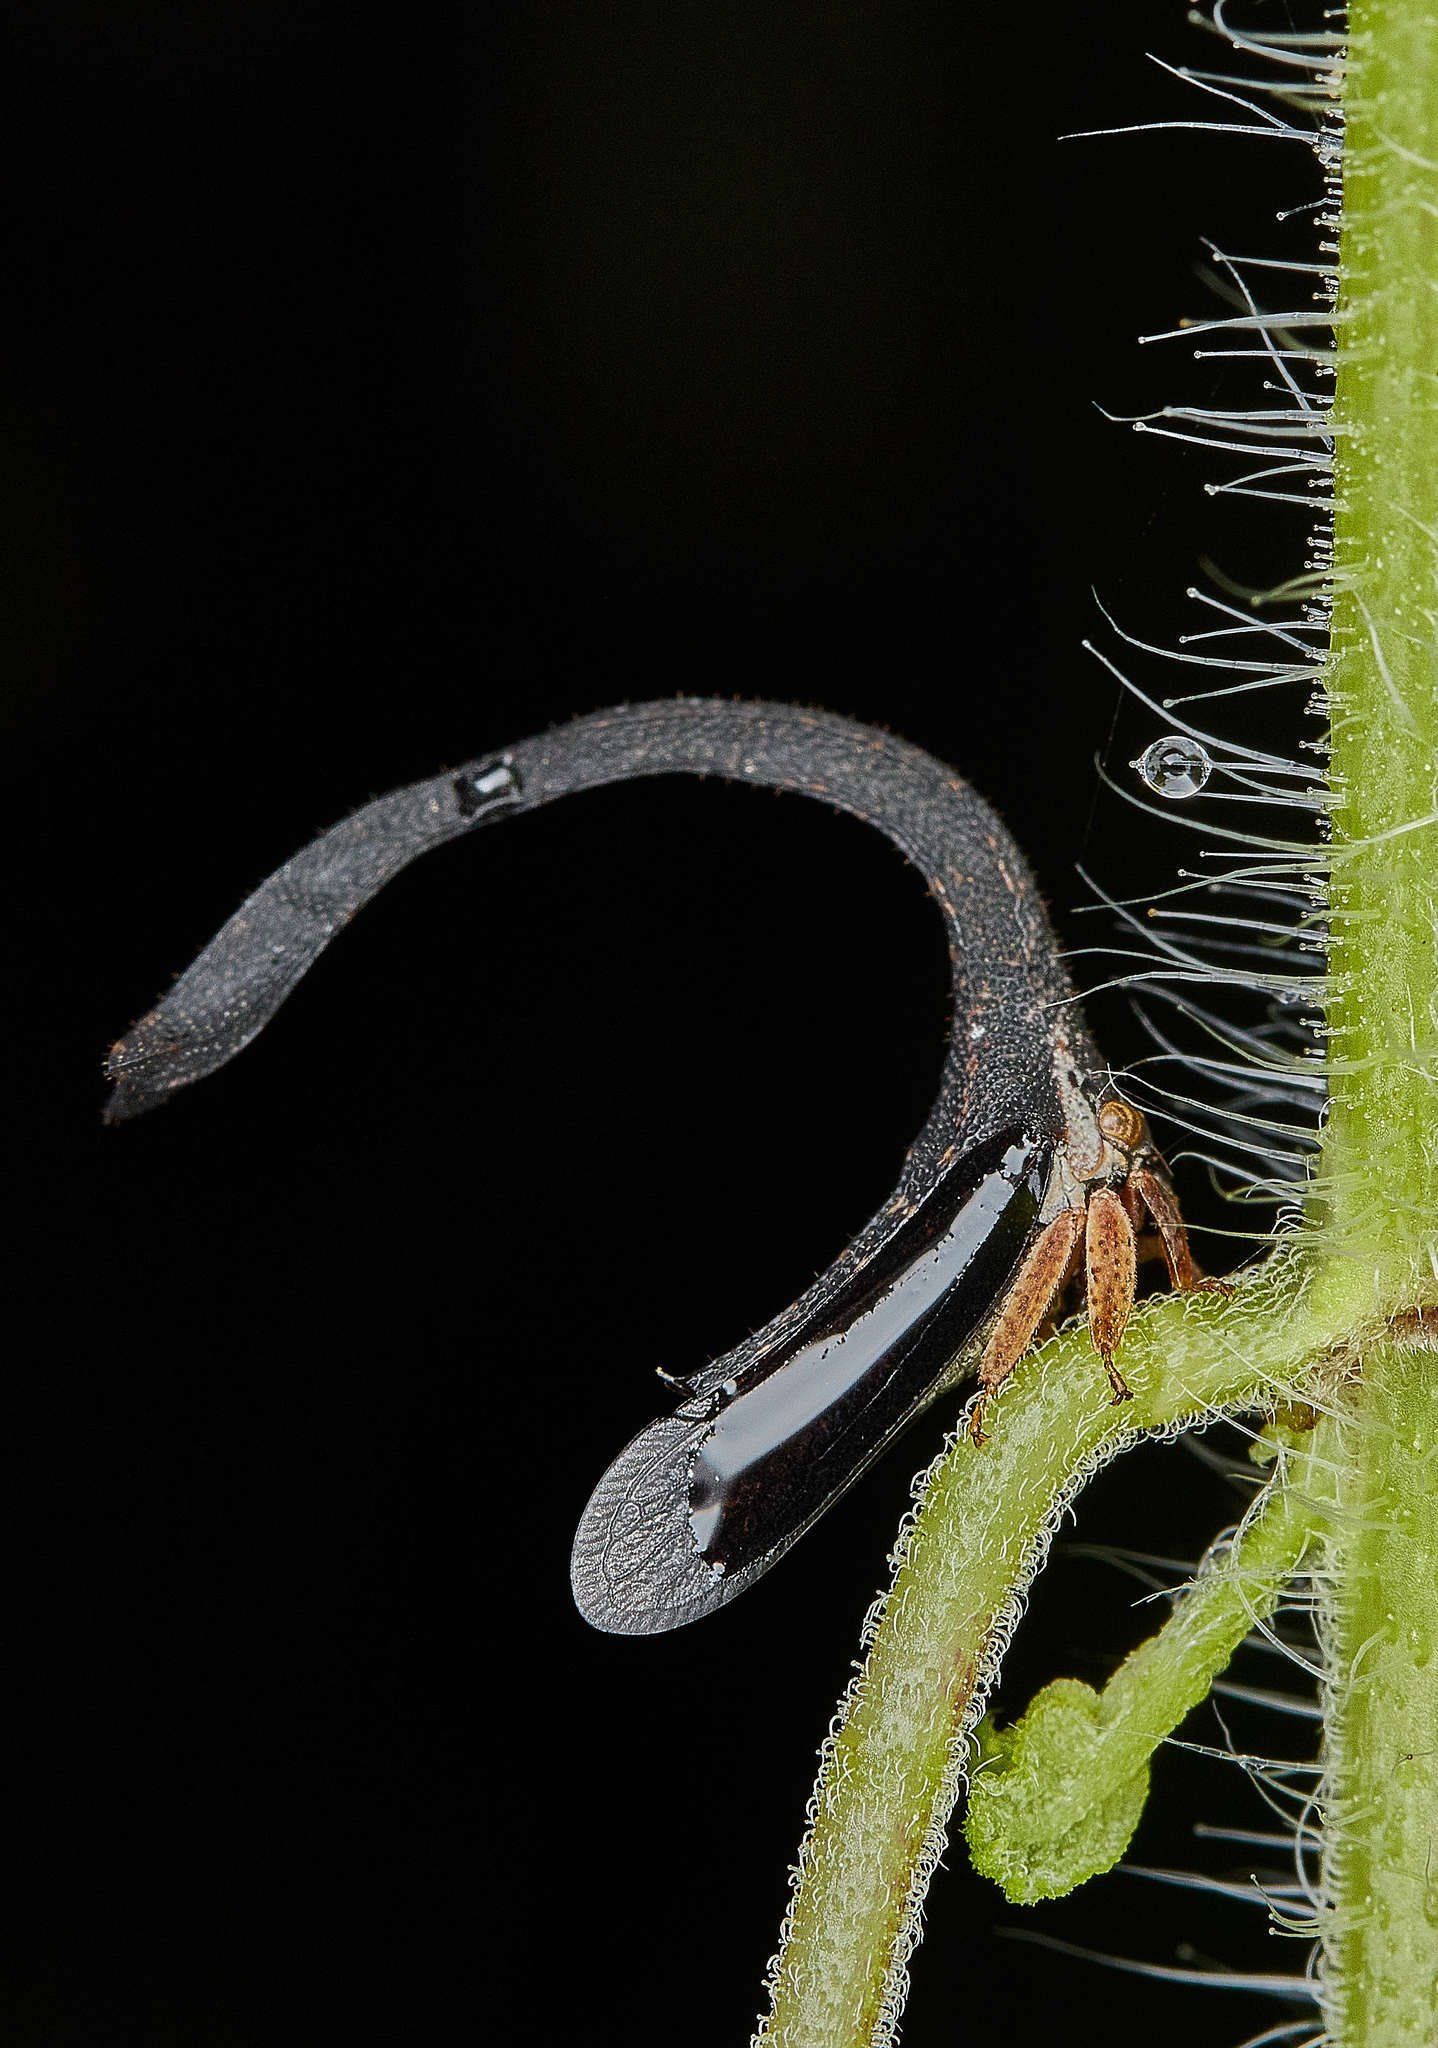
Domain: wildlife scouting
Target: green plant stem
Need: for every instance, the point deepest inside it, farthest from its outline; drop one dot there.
(891, 1771)
(1380, 1159)
(1058, 1795)
(1380, 1816)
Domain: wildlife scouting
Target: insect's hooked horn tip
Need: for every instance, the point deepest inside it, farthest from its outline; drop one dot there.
(132, 1093)
(116, 1110)
(121, 1104)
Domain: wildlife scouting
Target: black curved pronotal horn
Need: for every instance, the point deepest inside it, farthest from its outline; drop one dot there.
(708, 1497)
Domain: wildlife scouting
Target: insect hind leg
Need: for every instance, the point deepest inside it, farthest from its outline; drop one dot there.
(1050, 1261)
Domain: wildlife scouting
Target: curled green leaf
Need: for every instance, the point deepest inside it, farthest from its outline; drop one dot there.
(1055, 1798)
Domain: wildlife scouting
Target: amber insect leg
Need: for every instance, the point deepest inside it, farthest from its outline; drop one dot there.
(1159, 1201)
(1025, 1305)
(1111, 1259)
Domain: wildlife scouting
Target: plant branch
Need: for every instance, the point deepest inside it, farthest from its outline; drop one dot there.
(1380, 1156)
(895, 1763)
(1057, 1796)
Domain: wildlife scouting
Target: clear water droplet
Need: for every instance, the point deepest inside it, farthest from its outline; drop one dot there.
(1175, 767)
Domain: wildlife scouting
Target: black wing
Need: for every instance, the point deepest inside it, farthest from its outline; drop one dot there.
(705, 1500)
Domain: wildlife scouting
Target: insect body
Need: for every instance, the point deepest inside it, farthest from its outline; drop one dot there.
(1028, 1168)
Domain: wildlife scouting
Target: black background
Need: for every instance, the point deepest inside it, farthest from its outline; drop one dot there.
(378, 388)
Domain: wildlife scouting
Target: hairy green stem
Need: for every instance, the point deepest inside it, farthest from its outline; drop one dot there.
(1380, 1819)
(892, 1769)
(1380, 1160)
(1056, 1797)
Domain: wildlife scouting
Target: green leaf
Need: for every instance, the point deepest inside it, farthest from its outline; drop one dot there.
(1055, 1799)
(1039, 1829)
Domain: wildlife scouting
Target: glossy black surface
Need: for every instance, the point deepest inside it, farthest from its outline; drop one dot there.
(816, 1412)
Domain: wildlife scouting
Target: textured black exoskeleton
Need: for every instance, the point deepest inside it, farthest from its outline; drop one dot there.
(709, 1496)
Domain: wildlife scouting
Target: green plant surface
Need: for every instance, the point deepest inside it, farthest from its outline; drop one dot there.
(891, 1771)
(1380, 1160)
(1380, 1817)
(1054, 1800)
(1342, 1308)
(1376, 1221)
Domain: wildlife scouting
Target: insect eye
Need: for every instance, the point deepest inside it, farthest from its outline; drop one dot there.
(1121, 1123)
